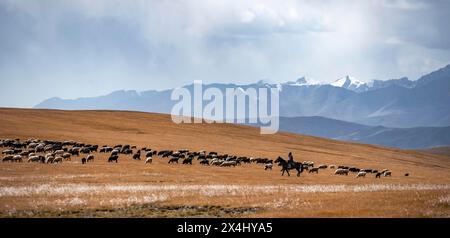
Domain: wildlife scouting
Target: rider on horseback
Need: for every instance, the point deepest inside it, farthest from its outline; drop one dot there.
(291, 162)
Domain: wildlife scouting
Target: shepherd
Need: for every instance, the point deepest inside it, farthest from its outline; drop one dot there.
(291, 162)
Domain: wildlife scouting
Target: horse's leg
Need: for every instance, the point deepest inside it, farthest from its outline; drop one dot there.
(298, 172)
(282, 174)
(288, 173)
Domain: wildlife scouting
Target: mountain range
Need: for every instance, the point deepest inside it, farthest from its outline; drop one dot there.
(395, 112)
(406, 138)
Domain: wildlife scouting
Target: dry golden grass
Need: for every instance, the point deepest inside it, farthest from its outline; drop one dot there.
(131, 188)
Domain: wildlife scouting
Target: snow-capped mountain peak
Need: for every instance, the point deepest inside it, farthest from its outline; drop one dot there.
(303, 81)
(350, 83)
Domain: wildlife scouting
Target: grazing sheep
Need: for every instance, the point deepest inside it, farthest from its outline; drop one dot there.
(57, 160)
(49, 159)
(7, 158)
(378, 175)
(201, 156)
(36, 158)
(361, 174)
(90, 157)
(83, 160)
(66, 156)
(106, 149)
(204, 162)
(268, 166)
(48, 148)
(173, 160)
(8, 152)
(216, 162)
(149, 154)
(113, 158)
(407, 174)
(354, 170)
(314, 170)
(188, 160)
(148, 160)
(323, 166)
(115, 152)
(32, 145)
(24, 153)
(75, 151)
(39, 148)
(137, 156)
(59, 152)
(341, 172)
(387, 173)
(17, 158)
(332, 166)
(228, 164)
(85, 150)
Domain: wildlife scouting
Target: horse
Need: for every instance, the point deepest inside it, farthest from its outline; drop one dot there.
(285, 166)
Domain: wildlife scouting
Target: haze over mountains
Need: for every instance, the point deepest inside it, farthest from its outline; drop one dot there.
(376, 110)
(406, 138)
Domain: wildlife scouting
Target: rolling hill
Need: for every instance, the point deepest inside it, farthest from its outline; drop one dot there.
(157, 130)
(132, 188)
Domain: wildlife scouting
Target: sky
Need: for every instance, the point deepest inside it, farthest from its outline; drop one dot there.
(83, 48)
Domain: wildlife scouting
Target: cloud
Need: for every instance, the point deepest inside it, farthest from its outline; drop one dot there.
(403, 4)
(86, 48)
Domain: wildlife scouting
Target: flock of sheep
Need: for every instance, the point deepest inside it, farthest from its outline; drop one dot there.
(50, 151)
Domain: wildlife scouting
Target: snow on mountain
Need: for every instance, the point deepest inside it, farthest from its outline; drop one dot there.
(350, 83)
(303, 81)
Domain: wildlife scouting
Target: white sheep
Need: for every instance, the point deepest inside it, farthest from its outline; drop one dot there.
(34, 158)
(228, 163)
(49, 159)
(57, 160)
(148, 160)
(268, 166)
(216, 162)
(8, 152)
(361, 174)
